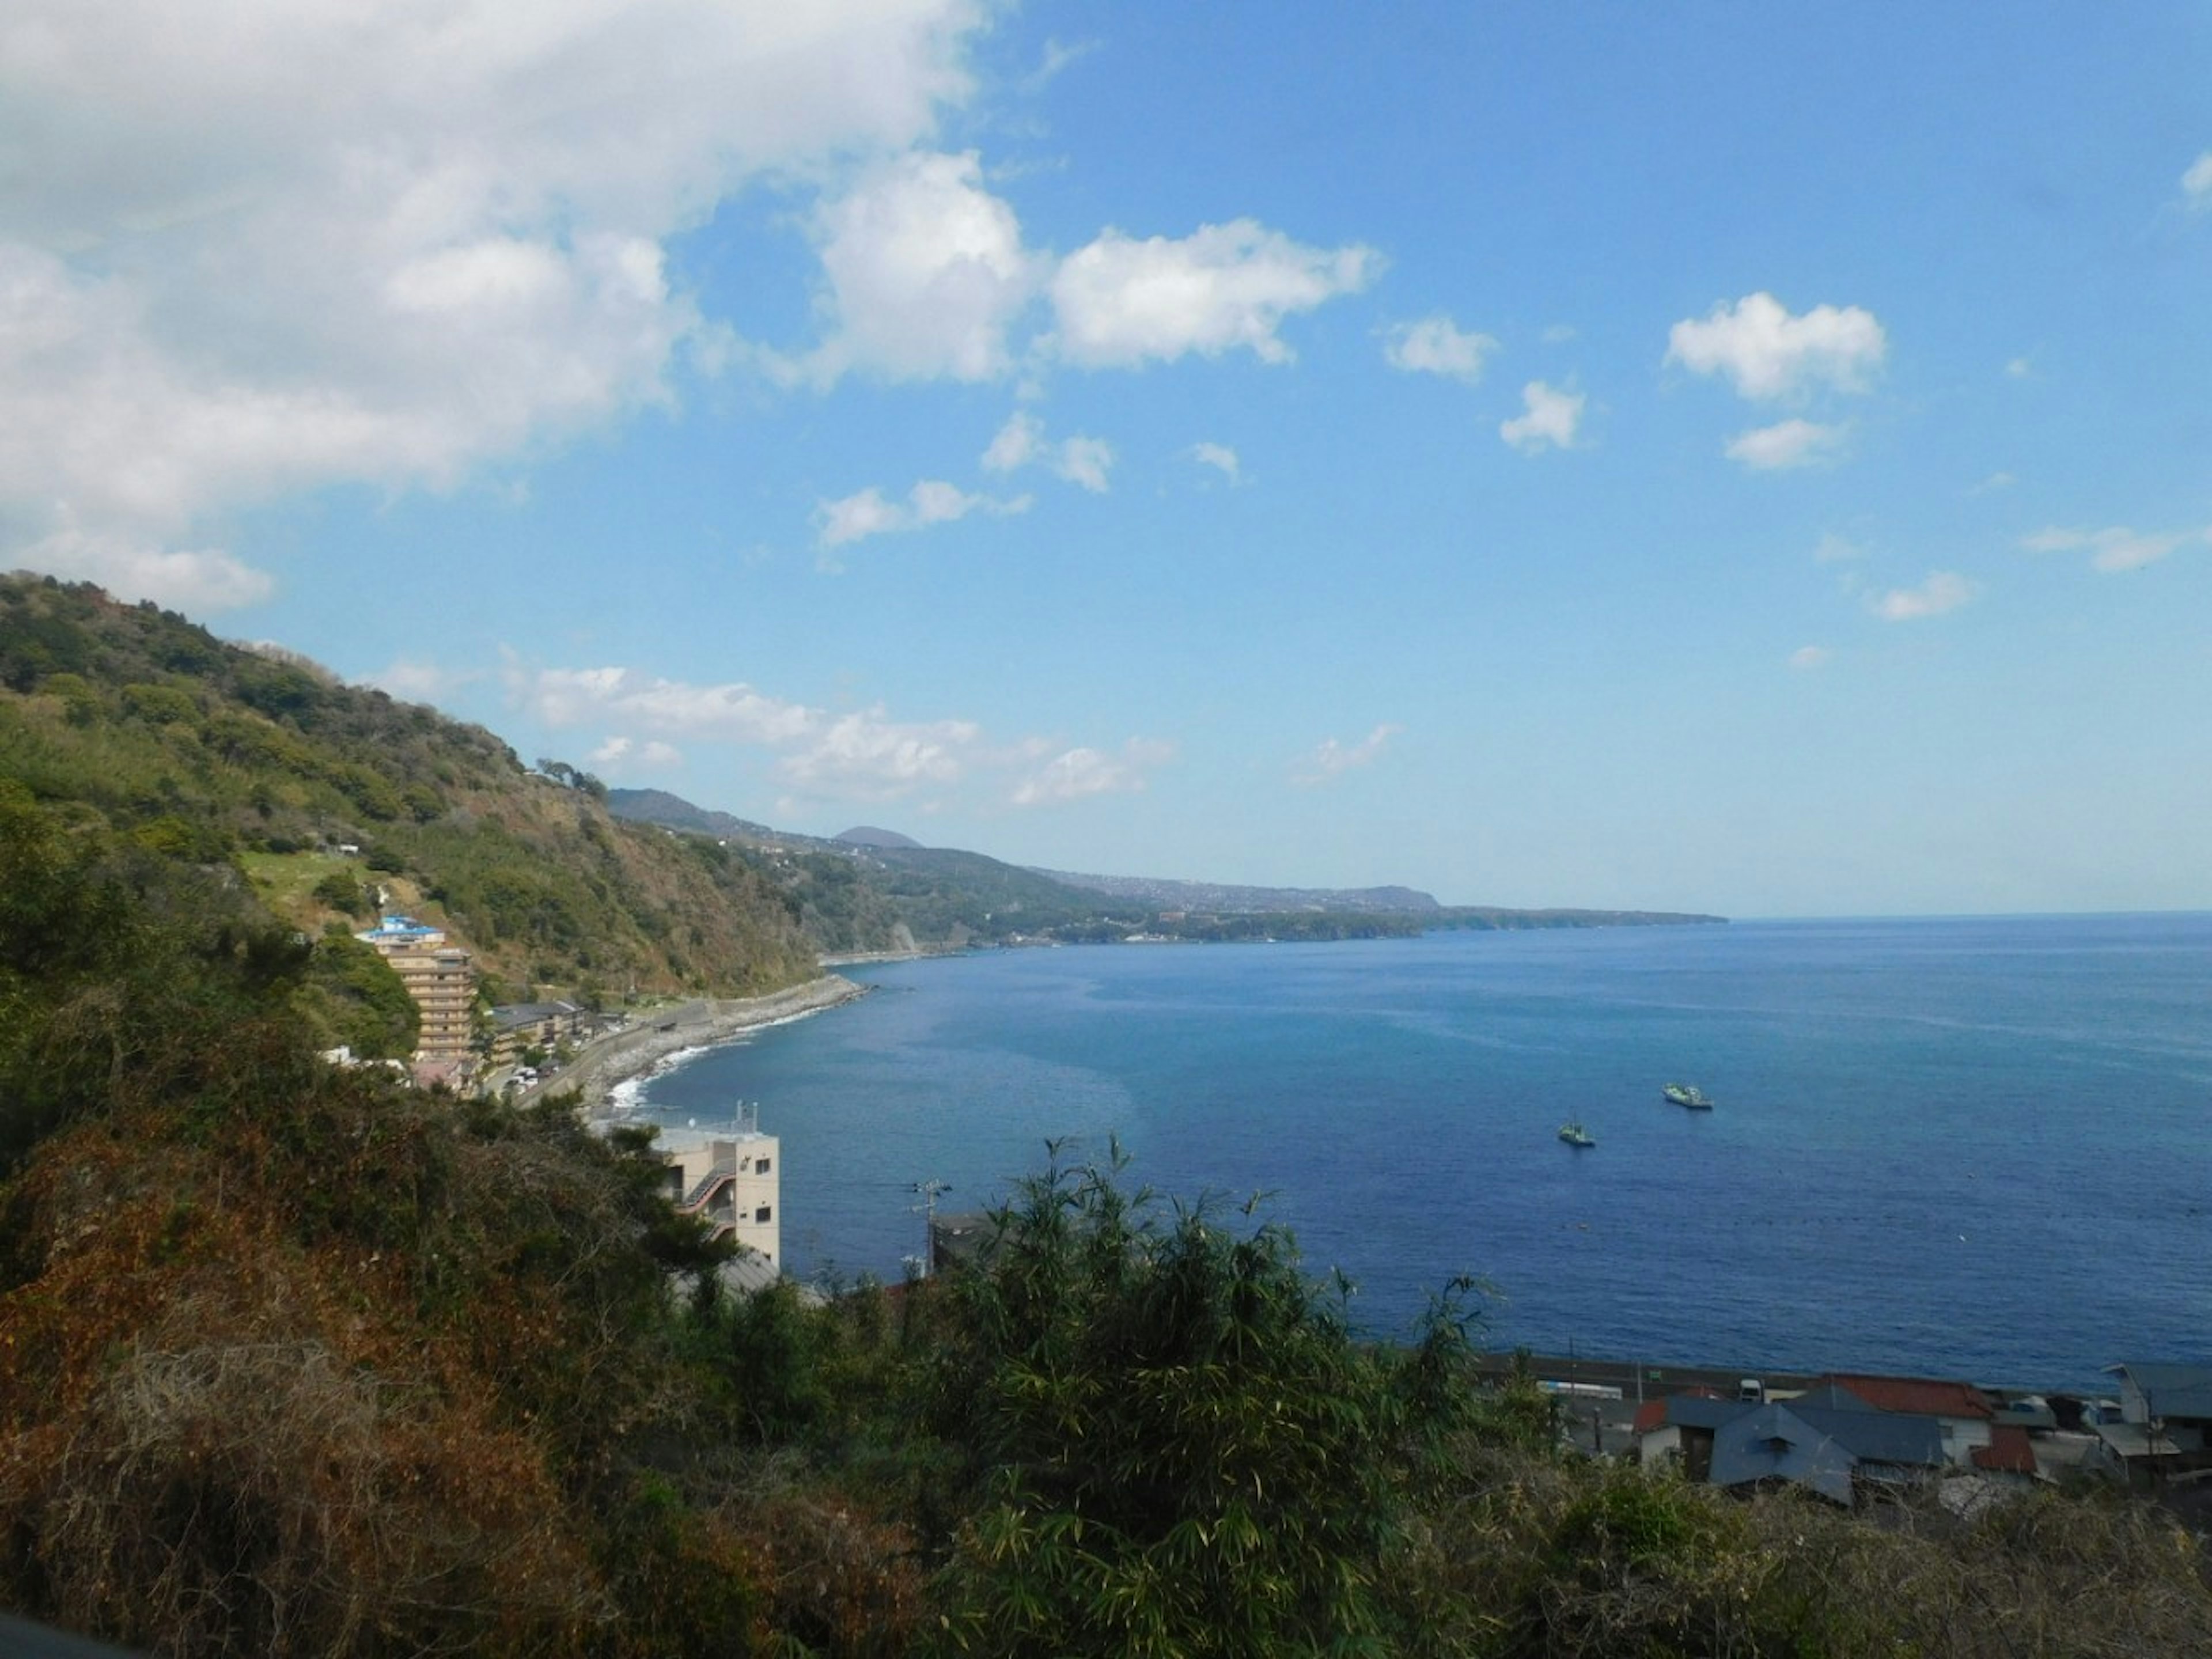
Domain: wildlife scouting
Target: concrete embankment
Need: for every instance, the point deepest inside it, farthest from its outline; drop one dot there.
(655, 1034)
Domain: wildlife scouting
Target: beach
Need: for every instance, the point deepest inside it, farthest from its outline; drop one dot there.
(656, 1036)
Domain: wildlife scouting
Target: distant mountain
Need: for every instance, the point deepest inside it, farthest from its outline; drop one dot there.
(875, 889)
(1221, 897)
(864, 836)
(659, 806)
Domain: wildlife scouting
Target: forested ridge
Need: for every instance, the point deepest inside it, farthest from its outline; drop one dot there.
(318, 797)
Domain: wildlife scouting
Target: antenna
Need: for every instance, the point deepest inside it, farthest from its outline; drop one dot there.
(930, 1191)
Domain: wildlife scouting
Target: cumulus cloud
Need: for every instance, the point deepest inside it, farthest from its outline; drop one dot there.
(1436, 345)
(628, 757)
(1785, 444)
(2197, 183)
(2115, 548)
(272, 246)
(857, 755)
(926, 273)
(857, 517)
(1119, 302)
(820, 754)
(1075, 774)
(1550, 420)
(1944, 589)
(197, 580)
(1766, 353)
(1331, 759)
(1021, 442)
(1810, 656)
(1221, 458)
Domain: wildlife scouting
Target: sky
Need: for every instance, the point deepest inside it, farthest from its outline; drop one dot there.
(1719, 456)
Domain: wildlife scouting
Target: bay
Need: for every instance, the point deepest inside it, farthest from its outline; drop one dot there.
(1975, 1147)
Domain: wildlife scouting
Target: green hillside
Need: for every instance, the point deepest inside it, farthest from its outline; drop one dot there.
(326, 799)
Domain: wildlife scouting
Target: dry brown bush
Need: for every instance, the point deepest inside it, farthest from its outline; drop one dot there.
(262, 1498)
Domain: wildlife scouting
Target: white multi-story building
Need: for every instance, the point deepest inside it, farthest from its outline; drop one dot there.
(729, 1175)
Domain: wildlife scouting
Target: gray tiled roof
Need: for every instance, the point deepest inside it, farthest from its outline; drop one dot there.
(2174, 1390)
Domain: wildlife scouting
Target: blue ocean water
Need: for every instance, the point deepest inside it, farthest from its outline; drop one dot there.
(1967, 1147)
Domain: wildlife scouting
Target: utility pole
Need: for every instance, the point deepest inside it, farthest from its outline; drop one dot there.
(930, 1191)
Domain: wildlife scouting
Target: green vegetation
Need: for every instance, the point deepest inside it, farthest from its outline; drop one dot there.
(294, 1360)
(205, 752)
(852, 898)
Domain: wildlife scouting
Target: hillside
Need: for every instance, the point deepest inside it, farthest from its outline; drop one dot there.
(330, 801)
(857, 891)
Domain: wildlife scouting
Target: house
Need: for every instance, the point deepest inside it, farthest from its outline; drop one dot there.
(2166, 1420)
(522, 1025)
(1673, 1426)
(1964, 1415)
(1843, 1453)
(730, 1176)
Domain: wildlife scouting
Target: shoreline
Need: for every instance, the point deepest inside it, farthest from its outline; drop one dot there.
(657, 1036)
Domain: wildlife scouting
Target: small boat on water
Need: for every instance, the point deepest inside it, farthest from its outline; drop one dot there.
(1574, 1135)
(1689, 1095)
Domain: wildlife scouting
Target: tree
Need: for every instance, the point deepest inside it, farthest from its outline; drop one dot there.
(1180, 1448)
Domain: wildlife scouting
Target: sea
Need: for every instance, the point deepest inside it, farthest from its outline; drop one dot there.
(1976, 1148)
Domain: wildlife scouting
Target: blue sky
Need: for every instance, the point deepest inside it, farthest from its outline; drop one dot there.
(1749, 459)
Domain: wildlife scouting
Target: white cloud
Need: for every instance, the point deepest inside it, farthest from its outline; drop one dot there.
(1221, 458)
(1810, 656)
(1766, 353)
(1076, 773)
(1333, 759)
(268, 246)
(1553, 417)
(1085, 461)
(856, 517)
(1435, 345)
(2115, 548)
(2019, 368)
(1021, 442)
(1120, 302)
(1785, 444)
(863, 755)
(2197, 183)
(820, 754)
(197, 581)
(1943, 591)
(1994, 481)
(926, 273)
(1017, 444)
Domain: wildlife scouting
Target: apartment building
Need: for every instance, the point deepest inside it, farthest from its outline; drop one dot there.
(730, 1176)
(441, 978)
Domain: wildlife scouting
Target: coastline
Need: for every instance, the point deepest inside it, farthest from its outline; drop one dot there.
(656, 1036)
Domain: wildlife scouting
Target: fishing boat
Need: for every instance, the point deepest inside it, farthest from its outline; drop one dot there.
(1689, 1095)
(1574, 1135)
